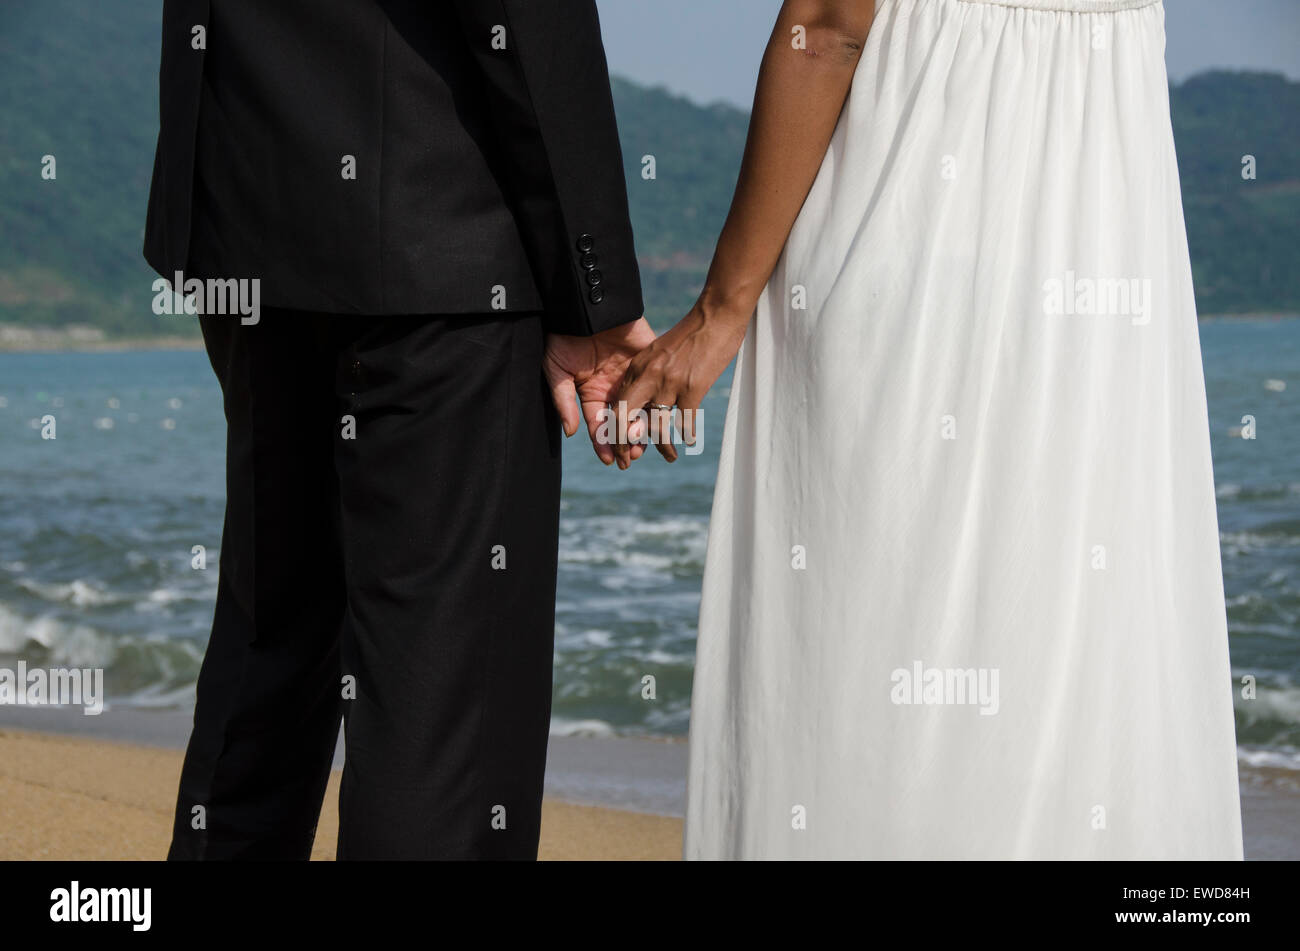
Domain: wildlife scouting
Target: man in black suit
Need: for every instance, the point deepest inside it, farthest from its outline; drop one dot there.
(430, 195)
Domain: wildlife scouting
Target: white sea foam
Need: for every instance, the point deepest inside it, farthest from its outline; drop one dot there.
(166, 596)
(1235, 544)
(71, 645)
(1233, 490)
(632, 605)
(76, 592)
(664, 659)
(157, 697)
(1269, 758)
(562, 727)
(628, 554)
(623, 530)
(1279, 704)
(621, 557)
(598, 638)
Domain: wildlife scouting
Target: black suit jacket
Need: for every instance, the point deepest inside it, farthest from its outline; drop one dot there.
(482, 135)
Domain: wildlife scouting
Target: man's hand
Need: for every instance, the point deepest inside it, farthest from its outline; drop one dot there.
(589, 370)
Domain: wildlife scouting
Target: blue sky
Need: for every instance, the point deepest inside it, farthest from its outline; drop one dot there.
(709, 49)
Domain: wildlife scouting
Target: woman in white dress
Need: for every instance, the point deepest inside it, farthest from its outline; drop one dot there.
(963, 596)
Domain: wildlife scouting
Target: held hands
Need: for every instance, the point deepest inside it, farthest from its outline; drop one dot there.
(590, 369)
(619, 371)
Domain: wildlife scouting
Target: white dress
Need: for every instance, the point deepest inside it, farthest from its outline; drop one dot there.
(963, 596)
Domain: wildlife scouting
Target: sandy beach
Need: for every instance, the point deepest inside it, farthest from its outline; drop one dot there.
(85, 794)
(74, 798)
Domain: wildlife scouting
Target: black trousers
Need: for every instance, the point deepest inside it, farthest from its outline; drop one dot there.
(388, 556)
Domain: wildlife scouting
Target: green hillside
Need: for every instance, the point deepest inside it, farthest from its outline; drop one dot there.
(78, 81)
(1244, 235)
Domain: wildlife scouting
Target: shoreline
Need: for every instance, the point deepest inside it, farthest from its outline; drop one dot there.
(74, 798)
(645, 775)
(616, 797)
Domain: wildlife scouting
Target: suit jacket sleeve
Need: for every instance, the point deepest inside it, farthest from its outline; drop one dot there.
(547, 85)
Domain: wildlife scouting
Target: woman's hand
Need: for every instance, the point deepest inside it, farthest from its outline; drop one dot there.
(677, 370)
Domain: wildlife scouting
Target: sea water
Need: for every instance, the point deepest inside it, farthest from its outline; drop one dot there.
(103, 527)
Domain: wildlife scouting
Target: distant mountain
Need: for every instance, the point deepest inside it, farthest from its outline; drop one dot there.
(78, 80)
(1244, 234)
(676, 215)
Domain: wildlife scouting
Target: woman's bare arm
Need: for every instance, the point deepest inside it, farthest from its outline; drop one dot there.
(804, 80)
(796, 106)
